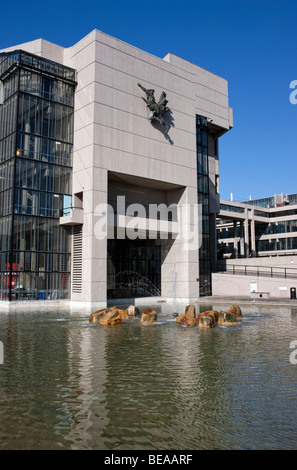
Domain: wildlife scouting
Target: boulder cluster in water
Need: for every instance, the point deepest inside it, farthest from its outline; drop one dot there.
(115, 315)
(208, 319)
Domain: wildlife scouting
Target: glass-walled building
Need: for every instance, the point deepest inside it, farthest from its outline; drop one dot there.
(36, 146)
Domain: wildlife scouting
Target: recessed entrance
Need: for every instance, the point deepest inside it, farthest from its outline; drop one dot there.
(133, 268)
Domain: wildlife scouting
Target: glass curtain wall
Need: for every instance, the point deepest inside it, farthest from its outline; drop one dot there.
(36, 138)
(203, 199)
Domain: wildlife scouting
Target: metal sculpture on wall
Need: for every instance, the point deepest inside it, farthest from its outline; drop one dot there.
(156, 109)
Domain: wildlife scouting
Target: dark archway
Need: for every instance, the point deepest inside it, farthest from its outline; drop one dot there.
(133, 268)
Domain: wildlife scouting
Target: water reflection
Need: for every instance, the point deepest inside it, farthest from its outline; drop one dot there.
(88, 373)
(69, 384)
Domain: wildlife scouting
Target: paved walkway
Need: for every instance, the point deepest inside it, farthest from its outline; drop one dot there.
(248, 301)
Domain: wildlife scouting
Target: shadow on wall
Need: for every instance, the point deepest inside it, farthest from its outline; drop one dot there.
(169, 120)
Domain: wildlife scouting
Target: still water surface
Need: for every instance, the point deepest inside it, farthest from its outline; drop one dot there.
(69, 384)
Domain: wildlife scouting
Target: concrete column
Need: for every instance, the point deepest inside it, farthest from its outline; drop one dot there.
(246, 235)
(235, 239)
(253, 235)
(180, 266)
(241, 240)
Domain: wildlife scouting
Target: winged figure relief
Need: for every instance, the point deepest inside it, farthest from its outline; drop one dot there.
(157, 109)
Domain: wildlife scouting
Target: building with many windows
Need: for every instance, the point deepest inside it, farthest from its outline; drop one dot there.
(257, 248)
(104, 124)
(261, 227)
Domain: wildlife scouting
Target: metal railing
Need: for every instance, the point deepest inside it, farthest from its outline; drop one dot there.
(257, 271)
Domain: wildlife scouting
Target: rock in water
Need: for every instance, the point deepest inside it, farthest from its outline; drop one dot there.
(133, 311)
(213, 313)
(185, 320)
(179, 317)
(95, 316)
(206, 321)
(227, 319)
(108, 316)
(148, 316)
(123, 312)
(237, 310)
(190, 311)
(112, 317)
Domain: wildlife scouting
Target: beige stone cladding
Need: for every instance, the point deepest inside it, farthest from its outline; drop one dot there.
(113, 134)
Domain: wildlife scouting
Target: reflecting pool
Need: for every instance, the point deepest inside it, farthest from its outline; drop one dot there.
(69, 384)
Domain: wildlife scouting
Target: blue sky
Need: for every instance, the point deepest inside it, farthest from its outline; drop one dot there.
(251, 43)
